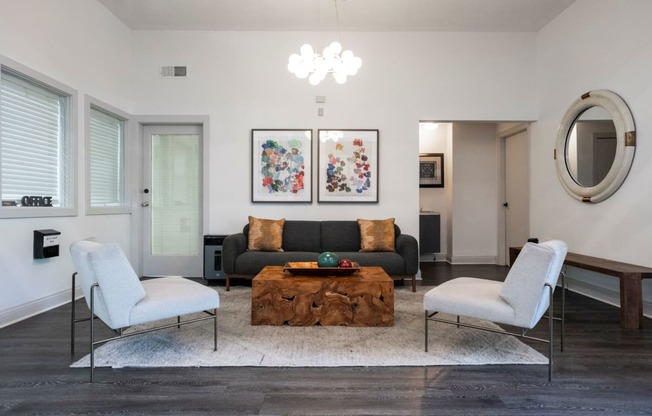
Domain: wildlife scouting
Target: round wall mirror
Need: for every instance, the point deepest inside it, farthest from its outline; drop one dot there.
(595, 146)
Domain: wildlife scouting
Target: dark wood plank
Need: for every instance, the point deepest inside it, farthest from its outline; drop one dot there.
(603, 370)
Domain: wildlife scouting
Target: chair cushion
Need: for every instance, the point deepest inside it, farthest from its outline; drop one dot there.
(79, 254)
(524, 285)
(168, 297)
(560, 249)
(118, 282)
(377, 235)
(472, 297)
(265, 235)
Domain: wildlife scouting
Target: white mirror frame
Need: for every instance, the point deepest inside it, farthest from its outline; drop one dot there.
(625, 145)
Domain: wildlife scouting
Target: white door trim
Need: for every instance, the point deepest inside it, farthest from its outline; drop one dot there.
(138, 123)
(502, 255)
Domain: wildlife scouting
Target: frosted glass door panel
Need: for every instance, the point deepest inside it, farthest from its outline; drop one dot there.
(175, 195)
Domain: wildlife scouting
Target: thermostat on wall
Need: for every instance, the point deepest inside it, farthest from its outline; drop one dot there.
(46, 243)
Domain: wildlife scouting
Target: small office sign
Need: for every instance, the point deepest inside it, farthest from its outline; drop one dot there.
(36, 201)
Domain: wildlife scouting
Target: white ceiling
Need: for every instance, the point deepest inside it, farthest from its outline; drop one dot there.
(354, 15)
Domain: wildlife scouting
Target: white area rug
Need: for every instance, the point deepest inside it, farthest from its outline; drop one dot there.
(240, 344)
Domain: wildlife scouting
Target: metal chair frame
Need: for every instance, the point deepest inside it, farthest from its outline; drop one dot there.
(120, 332)
(550, 316)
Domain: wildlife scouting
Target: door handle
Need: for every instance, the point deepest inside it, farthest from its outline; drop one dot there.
(506, 204)
(144, 204)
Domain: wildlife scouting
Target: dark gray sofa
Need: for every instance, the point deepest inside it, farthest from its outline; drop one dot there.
(304, 240)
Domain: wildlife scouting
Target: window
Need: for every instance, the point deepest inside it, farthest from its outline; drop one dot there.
(36, 146)
(106, 159)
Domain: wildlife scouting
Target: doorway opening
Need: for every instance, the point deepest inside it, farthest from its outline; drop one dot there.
(483, 206)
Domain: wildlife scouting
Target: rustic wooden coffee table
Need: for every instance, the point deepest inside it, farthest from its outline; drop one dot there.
(365, 298)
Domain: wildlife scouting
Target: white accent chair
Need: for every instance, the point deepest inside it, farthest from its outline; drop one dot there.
(521, 300)
(115, 295)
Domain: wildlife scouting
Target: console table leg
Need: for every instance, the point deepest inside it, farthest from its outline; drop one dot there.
(631, 301)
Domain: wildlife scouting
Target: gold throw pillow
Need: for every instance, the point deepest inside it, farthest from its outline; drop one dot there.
(377, 235)
(265, 235)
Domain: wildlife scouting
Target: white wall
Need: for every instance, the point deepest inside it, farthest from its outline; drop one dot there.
(240, 80)
(474, 215)
(596, 44)
(81, 44)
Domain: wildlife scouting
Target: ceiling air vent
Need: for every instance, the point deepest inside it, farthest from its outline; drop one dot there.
(174, 72)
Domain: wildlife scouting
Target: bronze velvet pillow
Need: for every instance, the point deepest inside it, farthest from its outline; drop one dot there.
(376, 235)
(265, 235)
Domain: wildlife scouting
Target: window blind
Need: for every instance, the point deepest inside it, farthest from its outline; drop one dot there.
(175, 195)
(106, 159)
(32, 140)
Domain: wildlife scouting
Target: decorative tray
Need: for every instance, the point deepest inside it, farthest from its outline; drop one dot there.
(310, 268)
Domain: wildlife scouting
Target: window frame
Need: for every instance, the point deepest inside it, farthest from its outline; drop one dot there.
(94, 103)
(69, 144)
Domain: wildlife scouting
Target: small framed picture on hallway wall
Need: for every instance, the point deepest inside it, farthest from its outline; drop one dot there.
(431, 170)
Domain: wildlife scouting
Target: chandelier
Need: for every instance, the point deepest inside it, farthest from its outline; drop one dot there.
(332, 60)
(315, 67)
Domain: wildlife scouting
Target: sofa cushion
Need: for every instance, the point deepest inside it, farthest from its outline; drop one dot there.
(377, 235)
(340, 236)
(392, 263)
(251, 263)
(265, 235)
(302, 236)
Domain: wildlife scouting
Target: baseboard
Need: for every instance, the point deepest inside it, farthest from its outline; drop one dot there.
(35, 307)
(440, 257)
(472, 259)
(602, 294)
(432, 257)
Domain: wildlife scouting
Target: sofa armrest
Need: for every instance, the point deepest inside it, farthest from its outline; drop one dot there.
(408, 248)
(232, 247)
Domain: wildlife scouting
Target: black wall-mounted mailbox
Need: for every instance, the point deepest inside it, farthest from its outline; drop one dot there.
(46, 243)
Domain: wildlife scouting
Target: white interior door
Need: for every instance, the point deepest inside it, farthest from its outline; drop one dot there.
(172, 200)
(517, 190)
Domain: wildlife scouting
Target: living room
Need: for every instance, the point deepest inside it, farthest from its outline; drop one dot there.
(486, 77)
(238, 80)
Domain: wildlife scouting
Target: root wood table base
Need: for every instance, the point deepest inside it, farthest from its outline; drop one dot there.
(365, 298)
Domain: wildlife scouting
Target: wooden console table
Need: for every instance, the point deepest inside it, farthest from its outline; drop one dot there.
(631, 282)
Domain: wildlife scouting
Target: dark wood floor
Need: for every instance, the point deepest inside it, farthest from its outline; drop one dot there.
(604, 370)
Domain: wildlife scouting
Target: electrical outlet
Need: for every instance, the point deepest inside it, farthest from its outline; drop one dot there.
(320, 112)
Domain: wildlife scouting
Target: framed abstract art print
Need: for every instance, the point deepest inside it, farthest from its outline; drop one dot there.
(348, 166)
(281, 162)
